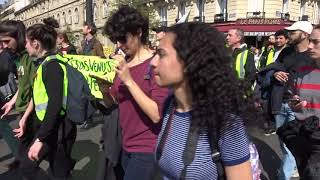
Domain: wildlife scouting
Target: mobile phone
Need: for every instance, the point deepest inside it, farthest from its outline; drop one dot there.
(120, 51)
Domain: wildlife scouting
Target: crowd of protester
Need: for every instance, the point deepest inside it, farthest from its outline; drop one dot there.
(175, 111)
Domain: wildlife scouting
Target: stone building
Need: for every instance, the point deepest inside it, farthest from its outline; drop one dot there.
(211, 11)
(258, 18)
(69, 14)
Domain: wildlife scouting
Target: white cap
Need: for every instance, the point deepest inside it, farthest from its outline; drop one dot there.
(304, 26)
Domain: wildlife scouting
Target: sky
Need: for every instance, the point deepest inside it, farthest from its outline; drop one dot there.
(2, 1)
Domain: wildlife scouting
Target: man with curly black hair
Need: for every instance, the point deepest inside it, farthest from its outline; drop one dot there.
(243, 58)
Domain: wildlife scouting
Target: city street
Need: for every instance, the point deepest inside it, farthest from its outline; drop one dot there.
(87, 151)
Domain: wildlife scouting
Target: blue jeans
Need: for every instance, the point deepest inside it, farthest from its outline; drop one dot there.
(8, 136)
(288, 164)
(138, 165)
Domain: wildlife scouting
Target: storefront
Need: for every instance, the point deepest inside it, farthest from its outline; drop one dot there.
(256, 30)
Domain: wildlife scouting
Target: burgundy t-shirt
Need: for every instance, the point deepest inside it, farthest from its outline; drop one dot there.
(138, 131)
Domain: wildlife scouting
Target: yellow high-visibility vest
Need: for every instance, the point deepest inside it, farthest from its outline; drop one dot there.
(270, 56)
(240, 63)
(40, 96)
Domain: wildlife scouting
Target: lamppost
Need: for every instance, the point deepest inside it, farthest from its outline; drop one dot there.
(89, 12)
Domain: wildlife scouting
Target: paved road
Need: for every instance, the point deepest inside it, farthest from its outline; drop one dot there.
(87, 151)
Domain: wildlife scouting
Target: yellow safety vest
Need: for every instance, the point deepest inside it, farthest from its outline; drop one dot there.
(270, 56)
(40, 96)
(240, 63)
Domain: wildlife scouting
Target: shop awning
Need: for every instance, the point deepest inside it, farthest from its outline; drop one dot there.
(254, 27)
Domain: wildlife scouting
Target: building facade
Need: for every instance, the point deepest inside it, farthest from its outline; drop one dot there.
(258, 18)
(212, 11)
(222, 14)
(70, 14)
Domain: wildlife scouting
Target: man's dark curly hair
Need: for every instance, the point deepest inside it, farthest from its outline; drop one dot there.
(216, 91)
(126, 20)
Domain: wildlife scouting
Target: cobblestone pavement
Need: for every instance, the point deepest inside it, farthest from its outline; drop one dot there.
(87, 151)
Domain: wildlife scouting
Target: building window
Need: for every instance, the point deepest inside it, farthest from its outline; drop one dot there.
(303, 7)
(63, 19)
(255, 5)
(221, 6)
(105, 9)
(76, 16)
(200, 6)
(163, 15)
(95, 11)
(285, 6)
(84, 14)
(58, 18)
(46, 6)
(182, 9)
(69, 17)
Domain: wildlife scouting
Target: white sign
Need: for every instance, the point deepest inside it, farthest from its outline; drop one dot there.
(258, 33)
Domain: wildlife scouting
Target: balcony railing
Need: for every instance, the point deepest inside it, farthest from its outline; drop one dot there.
(220, 17)
(200, 18)
(256, 14)
(285, 16)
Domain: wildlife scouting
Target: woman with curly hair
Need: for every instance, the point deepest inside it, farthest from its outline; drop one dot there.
(139, 98)
(207, 104)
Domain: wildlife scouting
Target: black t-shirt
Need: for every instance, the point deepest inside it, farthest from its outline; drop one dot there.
(53, 81)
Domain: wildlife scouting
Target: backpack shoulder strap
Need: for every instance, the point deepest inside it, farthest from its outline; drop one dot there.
(214, 136)
(168, 104)
(190, 150)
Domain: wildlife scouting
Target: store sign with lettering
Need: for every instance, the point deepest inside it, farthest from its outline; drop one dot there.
(258, 33)
(257, 21)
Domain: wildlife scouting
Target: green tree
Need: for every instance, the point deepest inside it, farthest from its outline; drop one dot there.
(70, 35)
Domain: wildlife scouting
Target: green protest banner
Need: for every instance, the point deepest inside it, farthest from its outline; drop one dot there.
(93, 65)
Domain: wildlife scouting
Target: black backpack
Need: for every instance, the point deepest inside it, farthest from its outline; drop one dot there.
(80, 101)
(192, 140)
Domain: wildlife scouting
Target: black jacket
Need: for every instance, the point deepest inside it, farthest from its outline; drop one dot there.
(250, 68)
(271, 89)
(110, 166)
(6, 65)
(288, 61)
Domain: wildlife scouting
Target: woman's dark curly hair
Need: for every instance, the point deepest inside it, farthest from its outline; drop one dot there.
(126, 20)
(216, 91)
(45, 33)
